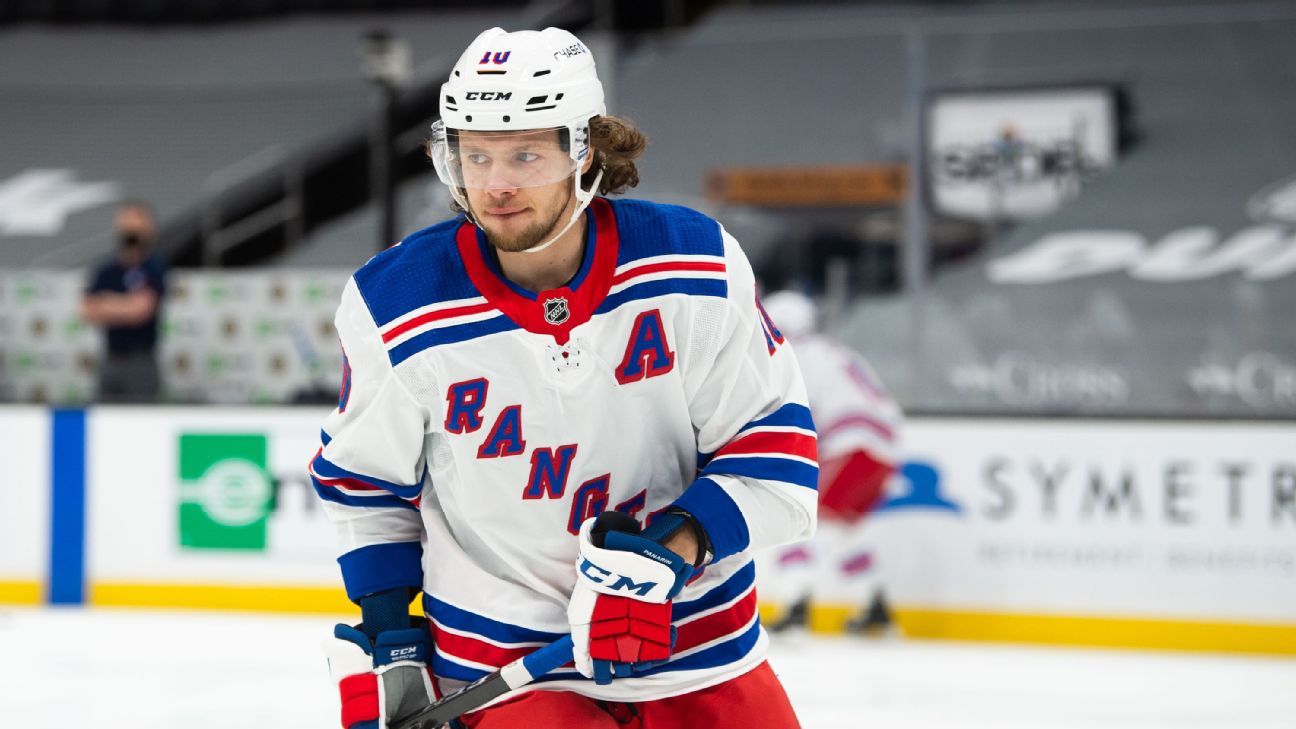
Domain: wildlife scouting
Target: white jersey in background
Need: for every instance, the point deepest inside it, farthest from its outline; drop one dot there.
(852, 410)
(858, 423)
(481, 424)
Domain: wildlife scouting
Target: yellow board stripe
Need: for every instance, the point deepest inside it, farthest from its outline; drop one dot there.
(1110, 632)
(255, 598)
(1160, 634)
(21, 592)
(1107, 632)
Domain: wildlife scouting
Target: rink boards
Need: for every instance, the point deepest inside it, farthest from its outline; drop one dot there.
(24, 505)
(1141, 534)
(1125, 533)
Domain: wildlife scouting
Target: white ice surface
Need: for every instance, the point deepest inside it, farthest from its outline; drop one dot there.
(74, 669)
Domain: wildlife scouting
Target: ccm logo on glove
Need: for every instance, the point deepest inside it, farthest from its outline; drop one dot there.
(604, 577)
(408, 653)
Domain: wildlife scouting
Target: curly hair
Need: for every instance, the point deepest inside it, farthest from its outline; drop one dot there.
(617, 144)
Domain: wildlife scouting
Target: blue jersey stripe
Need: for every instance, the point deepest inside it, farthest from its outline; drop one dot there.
(461, 620)
(737, 584)
(767, 469)
(380, 567)
(329, 470)
(445, 667)
(448, 335)
(721, 519)
(717, 656)
(791, 414)
(665, 287)
(721, 654)
(378, 501)
(703, 459)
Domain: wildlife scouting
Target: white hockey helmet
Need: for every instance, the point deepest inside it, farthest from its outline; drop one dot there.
(791, 311)
(523, 80)
(521, 87)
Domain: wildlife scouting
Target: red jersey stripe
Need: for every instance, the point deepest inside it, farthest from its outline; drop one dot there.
(860, 420)
(716, 625)
(349, 483)
(432, 316)
(667, 266)
(454, 645)
(703, 630)
(792, 444)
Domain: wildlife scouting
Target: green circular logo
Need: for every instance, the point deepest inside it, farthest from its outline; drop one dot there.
(234, 492)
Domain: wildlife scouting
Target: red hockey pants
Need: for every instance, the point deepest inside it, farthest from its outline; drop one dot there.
(753, 700)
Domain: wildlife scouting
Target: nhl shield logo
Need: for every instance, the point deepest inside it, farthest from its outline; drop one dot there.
(556, 311)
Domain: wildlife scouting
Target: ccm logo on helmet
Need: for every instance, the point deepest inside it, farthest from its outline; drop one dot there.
(488, 95)
(616, 582)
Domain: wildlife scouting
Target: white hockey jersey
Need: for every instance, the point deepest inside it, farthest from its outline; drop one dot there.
(480, 424)
(852, 409)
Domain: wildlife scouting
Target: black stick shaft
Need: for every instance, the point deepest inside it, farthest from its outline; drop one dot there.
(455, 705)
(488, 688)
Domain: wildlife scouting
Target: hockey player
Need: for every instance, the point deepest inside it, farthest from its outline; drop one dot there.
(525, 387)
(858, 422)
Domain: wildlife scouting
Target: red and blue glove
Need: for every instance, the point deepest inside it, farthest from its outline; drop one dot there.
(382, 679)
(620, 609)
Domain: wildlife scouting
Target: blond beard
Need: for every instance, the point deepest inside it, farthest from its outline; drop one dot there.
(532, 235)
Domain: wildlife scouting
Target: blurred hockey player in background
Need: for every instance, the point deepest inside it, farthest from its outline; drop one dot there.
(857, 422)
(561, 414)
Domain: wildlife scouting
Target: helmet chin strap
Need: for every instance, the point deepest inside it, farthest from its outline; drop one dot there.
(583, 200)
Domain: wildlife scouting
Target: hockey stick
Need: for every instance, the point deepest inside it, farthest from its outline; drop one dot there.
(487, 688)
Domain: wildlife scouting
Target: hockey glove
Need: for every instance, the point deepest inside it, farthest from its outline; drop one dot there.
(382, 680)
(620, 610)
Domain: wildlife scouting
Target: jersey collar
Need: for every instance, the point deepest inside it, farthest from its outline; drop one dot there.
(553, 312)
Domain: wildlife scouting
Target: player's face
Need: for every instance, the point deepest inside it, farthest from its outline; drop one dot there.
(519, 186)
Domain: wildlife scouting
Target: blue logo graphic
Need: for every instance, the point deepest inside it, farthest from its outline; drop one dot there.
(922, 490)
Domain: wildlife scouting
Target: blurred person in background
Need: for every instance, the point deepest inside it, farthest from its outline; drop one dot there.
(125, 297)
(858, 423)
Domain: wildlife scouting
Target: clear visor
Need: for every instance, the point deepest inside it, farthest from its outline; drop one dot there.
(501, 160)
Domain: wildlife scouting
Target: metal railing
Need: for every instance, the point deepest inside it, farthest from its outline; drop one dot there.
(220, 235)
